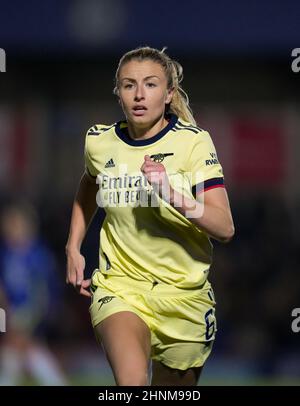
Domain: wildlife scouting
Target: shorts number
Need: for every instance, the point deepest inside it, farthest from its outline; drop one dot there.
(210, 324)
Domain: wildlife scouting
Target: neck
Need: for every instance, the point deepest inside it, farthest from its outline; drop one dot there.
(147, 131)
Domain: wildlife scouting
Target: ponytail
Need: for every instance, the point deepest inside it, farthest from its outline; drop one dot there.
(180, 100)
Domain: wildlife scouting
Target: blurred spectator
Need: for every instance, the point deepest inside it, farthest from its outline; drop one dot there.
(29, 295)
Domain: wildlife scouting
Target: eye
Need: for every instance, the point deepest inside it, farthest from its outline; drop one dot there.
(128, 86)
(150, 84)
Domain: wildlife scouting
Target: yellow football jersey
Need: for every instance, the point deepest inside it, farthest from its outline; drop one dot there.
(142, 236)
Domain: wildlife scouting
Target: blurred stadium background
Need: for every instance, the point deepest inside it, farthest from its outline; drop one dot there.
(61, 59)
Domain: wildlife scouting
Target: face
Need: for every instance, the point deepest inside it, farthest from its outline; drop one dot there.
(17, 229)
(143, 92)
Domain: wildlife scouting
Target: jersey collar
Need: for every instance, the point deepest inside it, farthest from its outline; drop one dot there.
(122, 132)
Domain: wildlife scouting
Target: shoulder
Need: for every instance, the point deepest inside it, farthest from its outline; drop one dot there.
(99, 139)
(188, 128)
(193, 132)
(97, 135)
(99, 129)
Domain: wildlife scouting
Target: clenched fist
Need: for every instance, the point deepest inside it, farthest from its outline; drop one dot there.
(156, 175)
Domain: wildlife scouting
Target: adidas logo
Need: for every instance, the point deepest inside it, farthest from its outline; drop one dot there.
(110, 164)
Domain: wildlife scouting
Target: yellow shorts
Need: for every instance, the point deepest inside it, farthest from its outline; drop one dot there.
(182, 322)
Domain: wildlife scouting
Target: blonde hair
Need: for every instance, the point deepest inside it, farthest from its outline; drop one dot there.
(174, 74)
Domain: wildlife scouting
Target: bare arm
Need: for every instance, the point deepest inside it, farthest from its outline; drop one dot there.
(214, 212)
(211, 214)
(84, 208)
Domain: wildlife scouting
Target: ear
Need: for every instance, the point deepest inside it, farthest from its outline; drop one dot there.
(170, 93)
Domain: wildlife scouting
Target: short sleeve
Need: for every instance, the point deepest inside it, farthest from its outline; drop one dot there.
(89, 166)
(205, 169)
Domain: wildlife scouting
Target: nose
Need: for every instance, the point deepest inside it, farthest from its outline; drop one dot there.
(139, 94)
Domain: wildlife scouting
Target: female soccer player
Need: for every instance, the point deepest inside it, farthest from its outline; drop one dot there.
(162, 188)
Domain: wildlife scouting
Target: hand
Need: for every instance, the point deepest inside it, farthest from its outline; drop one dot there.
(156, 175)
(75, 273)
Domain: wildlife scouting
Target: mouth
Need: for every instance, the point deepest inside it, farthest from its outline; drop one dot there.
(139, 110)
